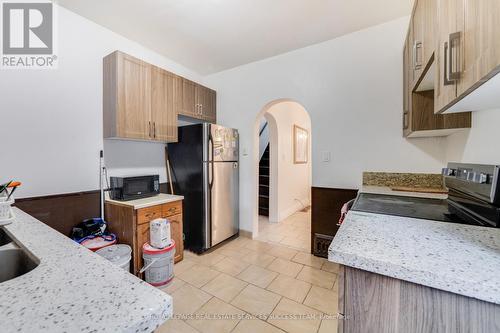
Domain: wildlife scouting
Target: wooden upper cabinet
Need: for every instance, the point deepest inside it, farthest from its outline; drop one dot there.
(142, 101)
(197, 101)
(187, 98)
(163, 106)
(205, 99)
(422, 30)
(417, 40)
(480, 45)
(138, 100)
(126, 97)
(449, 23)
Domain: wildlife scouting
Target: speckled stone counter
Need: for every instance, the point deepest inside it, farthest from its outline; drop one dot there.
(74, 290)
(457, 258)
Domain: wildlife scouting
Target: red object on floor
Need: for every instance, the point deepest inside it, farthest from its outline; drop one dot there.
(97, 243)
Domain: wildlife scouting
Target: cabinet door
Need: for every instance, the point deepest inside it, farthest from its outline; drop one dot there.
(142, 237)
(418, 41)
(450, 21)
(187, 95)
(423, 27)
(481, 42)
(133, 103)
(429, 29)
(163, 111)
(406, 88)
(201, 100)
(177, 235)
(211, 107)
(206, 99)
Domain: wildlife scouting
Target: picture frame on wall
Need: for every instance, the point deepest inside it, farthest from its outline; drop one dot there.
(300, 145)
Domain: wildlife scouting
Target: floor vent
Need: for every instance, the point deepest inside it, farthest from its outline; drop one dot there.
(321, 244)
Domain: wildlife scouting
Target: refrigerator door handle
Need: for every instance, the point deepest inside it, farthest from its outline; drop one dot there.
(211, 162)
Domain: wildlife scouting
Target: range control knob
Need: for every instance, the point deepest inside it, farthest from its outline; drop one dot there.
(449, 172)
(478, 177)
(483, 178)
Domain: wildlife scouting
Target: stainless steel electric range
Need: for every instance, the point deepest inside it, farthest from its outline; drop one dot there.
(474, 198)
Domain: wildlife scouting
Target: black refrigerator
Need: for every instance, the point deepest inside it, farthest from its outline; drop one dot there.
(205, 170)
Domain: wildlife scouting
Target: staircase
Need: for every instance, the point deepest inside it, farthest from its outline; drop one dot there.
(264, 183)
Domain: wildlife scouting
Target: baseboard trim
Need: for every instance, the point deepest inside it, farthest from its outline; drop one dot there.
(246, 234)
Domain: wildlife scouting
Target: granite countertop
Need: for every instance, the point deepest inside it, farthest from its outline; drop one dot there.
(461, 259)
(159, 199)
(388, 191)
(74, 289)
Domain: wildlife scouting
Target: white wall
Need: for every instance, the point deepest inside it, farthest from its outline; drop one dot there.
(352, 88)
(293, 181)
(480, 143)
(51, 120)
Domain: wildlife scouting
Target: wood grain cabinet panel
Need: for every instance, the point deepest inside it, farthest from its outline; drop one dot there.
(376, 303)
(480, 45)
(142, 101)
(126, 99)
(163, 106)
(187, 98)
(425, 52)
(132, 227)
(449, 13)
(172, 208)
(177, 235)
(148, 214)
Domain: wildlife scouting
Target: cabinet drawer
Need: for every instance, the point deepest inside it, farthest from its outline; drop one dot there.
(172, 208)
(145, 215)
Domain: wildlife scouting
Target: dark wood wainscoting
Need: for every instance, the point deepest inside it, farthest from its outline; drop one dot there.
(326, 206)
(63, 211)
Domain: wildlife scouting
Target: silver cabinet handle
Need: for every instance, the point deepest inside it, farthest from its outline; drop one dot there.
(454, 70)
(406, 123)
(446, 81)
(416, 46)
(201, 109)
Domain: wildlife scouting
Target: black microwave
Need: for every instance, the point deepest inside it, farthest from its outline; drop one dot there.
(131, 188)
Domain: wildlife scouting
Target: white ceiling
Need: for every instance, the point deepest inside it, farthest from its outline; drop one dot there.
(212, 35)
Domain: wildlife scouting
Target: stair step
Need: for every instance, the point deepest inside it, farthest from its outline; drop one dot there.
(263, 196)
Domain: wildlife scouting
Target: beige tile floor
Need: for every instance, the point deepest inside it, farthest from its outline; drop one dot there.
(270, 284)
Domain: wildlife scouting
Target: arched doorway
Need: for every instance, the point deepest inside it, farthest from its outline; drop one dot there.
(289, 179)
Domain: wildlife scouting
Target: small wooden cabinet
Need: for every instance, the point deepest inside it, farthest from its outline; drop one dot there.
(132, 226)
(197, 101)
(423, 95)
(453, 46)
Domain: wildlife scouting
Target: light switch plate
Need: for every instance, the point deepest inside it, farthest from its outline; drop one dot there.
(326, 156)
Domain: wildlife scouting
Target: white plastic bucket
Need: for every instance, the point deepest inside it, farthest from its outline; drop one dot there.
(158, 264)
(119, 255)
(5, 208)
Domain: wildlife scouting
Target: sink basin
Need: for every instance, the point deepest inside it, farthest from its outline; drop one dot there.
(14, 263)
(4, 238)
